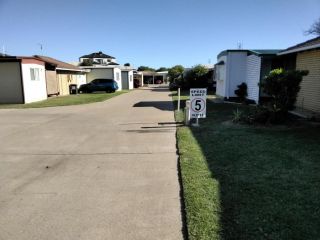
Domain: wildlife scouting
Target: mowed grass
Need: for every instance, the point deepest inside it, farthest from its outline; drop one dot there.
(66, 100)
(246, 182)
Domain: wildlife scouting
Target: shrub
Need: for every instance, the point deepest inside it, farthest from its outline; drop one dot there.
(237, 116)
(283, 87)
(196, 77)
(242, 92)
(175, 73)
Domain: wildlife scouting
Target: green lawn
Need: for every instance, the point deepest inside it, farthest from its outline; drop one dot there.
(245, 182)
(66, 100)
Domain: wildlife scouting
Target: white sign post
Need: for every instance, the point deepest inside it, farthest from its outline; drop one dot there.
(198, 97)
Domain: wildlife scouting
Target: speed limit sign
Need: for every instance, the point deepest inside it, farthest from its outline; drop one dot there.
(198, 98)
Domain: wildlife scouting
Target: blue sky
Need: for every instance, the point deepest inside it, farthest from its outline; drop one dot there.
(152, 32)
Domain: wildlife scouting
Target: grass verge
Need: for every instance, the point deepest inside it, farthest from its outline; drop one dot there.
(66, 100)
(245, 182)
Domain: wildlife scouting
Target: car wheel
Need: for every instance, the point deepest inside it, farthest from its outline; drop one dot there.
(109, 90)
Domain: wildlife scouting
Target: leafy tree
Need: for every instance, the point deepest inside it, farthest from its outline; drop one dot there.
(196, 77)
(86, 62)
(127, 65)
(162, 69)
(175, 72)
(314, 29)
(283, 88)
(146, 68)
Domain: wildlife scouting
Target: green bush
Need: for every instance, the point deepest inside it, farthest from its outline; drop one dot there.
(237, 116)
(283, 87)
(176, 73)
(196, 77)
(242, 92)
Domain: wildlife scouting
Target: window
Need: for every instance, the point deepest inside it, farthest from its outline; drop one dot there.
(96, 81)
(130, 78)
(34, 74)
(118, 76)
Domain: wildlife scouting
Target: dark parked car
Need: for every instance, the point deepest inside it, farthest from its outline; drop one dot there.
(174, 86)
(106, 85)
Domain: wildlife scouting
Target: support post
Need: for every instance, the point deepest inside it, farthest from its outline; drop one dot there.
(178, 99)
(187, 113)
(196, 124)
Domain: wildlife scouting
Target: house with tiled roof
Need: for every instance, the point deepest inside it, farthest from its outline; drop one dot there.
(59, 75)
(97, 58)
(236, 66)
(102, 66)
(306, 56)
(22, 79)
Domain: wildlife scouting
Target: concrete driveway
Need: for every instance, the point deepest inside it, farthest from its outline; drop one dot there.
(99, 171)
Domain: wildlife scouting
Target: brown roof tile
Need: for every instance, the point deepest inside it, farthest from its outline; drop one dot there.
(57, 63)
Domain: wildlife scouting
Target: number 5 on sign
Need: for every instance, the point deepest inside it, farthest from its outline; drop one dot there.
(198, 98)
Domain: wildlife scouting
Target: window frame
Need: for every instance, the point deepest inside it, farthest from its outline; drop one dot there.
(35, 74)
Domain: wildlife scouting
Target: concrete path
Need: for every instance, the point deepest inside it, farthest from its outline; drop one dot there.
(98, 171)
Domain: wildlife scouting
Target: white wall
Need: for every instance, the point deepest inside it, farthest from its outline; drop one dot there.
(236, 71)
(81, 79)
(127, 79)
(220, 77)
(34, 90)
(253, 77)
(117, 77)
(108, 73)
(100, 73)
(130, 75)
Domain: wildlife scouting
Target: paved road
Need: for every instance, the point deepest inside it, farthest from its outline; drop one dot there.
(98, 171)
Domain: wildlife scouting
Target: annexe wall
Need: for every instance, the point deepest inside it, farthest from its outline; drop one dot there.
(309, 95)
(253, 77)
(11, 83)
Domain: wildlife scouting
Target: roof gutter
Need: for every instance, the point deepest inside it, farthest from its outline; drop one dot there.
(299, 49)
(68, 69)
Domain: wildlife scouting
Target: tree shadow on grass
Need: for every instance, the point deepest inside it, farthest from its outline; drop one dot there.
(268, 178)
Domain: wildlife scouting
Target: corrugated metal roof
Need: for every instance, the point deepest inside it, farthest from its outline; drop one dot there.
(266, 51)
(259, 52)
(310, 44)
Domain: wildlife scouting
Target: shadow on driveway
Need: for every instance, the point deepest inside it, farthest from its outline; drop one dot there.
(161, 105)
